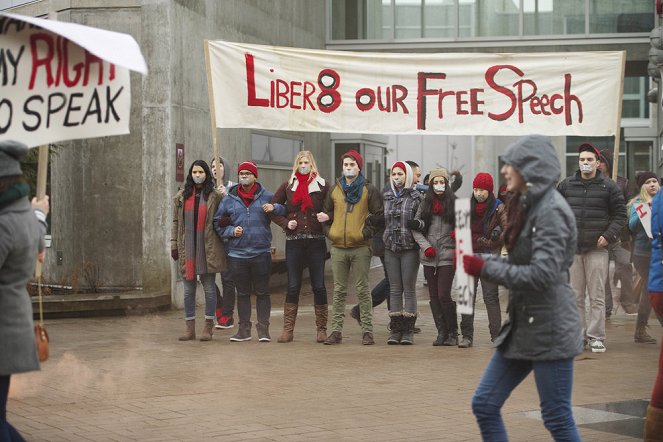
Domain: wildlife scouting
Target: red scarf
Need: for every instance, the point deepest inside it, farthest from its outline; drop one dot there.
(301, 193)
(247, 195)
(437, 208)
(194, 236)
(480, 209)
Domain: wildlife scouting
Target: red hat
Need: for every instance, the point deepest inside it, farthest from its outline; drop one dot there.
(588, 147)
(248, 166)
(355, 155)
(484, 181)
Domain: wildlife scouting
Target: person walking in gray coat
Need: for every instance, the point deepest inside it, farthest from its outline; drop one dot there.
(543, 332)
(21, 234)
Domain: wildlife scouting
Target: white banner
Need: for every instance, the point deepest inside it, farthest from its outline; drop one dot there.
(268, 87)
(464, 283)
(644, 214)
(51, 89)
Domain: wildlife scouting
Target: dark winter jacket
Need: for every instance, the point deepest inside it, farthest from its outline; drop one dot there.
(286, 210)
(543, 323)
(398, 210)
(487, 232)
(598, 206)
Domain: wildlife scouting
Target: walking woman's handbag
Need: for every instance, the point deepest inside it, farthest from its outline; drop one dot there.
(41, 336)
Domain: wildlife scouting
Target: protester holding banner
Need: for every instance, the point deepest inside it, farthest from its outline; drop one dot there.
(21, 235)
(243, 219)
(654, 421)
(349, 202)
(487, 221)
(543, 332)
(401, 255)
(640, 225)
(225, 305)
(297, 203)
(435, 236)
(193, 243)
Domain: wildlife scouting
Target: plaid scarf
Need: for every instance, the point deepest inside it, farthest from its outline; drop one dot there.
(195, 216)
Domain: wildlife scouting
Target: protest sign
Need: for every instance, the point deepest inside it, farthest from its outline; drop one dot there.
(464, 283)
(643, 210)
(53, 89)
(256, 86)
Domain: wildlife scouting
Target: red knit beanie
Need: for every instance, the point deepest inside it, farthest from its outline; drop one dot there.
(249, 166)
(355, 155)
(484, 181)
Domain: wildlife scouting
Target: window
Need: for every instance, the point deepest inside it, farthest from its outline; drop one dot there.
(553, 17)
(274, 149)
(634, 102)
(620, 16)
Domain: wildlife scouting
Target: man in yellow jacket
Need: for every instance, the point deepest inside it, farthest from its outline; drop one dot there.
(350, 202)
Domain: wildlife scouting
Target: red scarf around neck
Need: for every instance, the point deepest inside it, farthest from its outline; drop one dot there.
(247, 195)
(480, 209)
(437, 208)
(301, 193)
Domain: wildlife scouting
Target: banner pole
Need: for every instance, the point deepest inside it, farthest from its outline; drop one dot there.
(618, 122)
(212, 108)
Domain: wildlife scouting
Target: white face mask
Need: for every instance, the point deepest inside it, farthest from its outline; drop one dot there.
(198, 179)
(349, 173)
(439, 187)
(397, 182)
(586, 167)
(304, 170)
(244, 181)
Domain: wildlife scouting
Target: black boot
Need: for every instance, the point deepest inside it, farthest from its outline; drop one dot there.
(408, 330)
(451, 321)
(396, 327)
(438, 317)
(243, 334)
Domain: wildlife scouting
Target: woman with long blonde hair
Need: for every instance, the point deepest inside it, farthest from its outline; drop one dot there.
(649, 186)
(296, 203)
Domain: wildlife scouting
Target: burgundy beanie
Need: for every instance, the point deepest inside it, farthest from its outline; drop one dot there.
(642, 177)
(354, 154)
(484, 181)
(588, 147)
(248, 166)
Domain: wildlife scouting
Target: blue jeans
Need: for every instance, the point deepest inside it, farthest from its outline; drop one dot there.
(252, 274)
(301, 253)
(402, 268)
(554, 382)
(209, 287)
(7, 432)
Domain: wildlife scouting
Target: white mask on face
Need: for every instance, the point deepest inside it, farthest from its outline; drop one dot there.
(586, 167)
(244, 181)
(349, 173)
(439, 187)
(397, 182)
(198, 179)
(304, 170)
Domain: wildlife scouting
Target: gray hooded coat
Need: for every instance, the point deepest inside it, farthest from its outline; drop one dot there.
(543, 323)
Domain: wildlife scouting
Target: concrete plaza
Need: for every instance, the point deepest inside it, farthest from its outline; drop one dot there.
(129, 378)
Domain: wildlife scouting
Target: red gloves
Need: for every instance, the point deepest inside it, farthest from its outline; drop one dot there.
(472, 265)
(429, 252)
(174, 254)
(224, 221)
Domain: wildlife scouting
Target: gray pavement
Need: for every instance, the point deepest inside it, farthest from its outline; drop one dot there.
(129, 378)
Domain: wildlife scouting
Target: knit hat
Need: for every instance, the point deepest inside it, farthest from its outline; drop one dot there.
(606, 156)
(642, 177)
(588, 147)
(438, 172)
(249, 166)
(11, 152)
(354, 154)
(409, 175)
(484, 181)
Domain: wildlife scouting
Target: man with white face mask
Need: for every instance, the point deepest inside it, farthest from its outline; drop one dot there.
(348, 204)
(600, 213)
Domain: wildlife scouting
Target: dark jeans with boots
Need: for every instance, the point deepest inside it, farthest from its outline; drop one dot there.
(252, 275)
(492, 301)
(440, 280)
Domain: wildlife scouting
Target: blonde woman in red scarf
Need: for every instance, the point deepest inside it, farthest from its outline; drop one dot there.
(196, 246)
(296, 203)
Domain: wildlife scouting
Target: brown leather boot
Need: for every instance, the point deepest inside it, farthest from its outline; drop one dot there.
(654, 424)
(208, 330)
(321, 314)
(289, 318)
(190, 333)
(641, 335)
(334, 338)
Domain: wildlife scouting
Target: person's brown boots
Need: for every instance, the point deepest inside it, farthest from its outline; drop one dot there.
(289, 318)
(321, 315)
(654, 425)
(208, 330)
(641, 335)
(190, 333)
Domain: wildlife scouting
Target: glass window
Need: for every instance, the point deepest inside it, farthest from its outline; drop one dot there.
(553, 17)
(634, 102)
(439, 19)
(361, 19)
(272, 149)
(490, 18)
(620, 16)
(408, 19)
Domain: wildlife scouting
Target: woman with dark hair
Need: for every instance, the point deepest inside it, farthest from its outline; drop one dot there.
(543, 332)
(196, 246)
(435, 235)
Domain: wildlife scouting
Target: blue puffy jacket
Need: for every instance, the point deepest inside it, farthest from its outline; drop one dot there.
(257, 236)
(656, 263)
